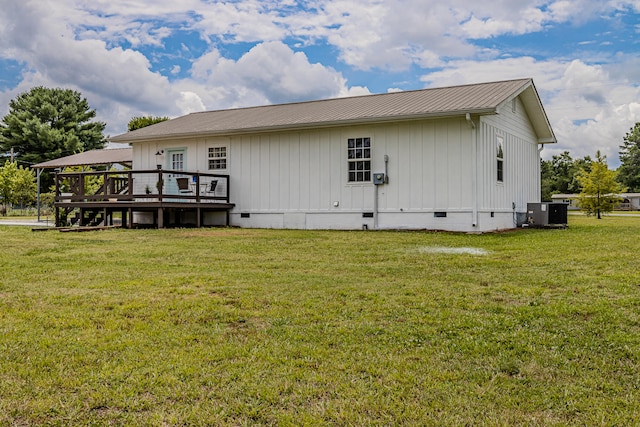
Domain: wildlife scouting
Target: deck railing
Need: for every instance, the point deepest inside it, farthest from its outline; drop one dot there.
(156, 185)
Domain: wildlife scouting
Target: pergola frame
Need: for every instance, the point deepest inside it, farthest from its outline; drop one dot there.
(107, 157)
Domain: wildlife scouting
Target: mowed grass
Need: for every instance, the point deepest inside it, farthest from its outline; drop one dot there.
(272, 327)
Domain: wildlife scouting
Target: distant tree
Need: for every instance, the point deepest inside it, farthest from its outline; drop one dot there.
(563, 169)
(45, 124)
(629, 170)
(144, 121)
(17, 185)
(600, 189)
(546, 177)
(580, 166)
(560, 174)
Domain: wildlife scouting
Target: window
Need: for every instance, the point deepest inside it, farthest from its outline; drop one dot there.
(359, 159)
(500, 159)
(217, 157)
(177, 161)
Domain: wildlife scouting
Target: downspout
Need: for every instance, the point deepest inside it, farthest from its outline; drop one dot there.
(375, 207)
(474, 170)
(540, 172)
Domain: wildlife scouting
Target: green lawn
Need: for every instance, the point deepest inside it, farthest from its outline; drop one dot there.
(269, 327)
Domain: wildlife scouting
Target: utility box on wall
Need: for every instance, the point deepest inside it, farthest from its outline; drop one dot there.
(547, 214)
(378, 178)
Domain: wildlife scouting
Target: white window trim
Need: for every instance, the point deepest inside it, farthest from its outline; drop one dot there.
(367, 173)
(499, 160)
(210, 157)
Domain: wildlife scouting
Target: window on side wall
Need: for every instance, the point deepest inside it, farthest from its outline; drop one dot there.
(217, 158)
(359, 159)
(500, 159)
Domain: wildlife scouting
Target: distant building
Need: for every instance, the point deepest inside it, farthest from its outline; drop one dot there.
(630, 201)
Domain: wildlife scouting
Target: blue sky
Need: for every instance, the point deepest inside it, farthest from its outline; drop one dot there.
(164, 57)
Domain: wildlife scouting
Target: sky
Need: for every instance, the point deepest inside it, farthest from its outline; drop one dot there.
(170, 58)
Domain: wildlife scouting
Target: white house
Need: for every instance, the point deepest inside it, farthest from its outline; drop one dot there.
(462, 158)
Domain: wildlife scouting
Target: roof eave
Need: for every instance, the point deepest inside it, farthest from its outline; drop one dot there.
(547, 140)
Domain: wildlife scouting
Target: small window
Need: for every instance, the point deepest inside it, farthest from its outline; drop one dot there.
(500, 159)
(217, 158)
(359, 159)
(177, 161)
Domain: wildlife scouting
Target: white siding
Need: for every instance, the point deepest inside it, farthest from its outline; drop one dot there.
(521, 182)
(294, 179)
(429, 170)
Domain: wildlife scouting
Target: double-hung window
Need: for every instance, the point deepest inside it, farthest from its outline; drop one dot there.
(217, 158)
(359, 159)
(500, 159)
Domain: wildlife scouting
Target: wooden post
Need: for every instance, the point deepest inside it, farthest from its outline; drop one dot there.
(55, 199)
(160, 217)
(160, 185)
(197, 176)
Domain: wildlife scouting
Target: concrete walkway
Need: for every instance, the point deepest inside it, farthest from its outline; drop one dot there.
(27, 223)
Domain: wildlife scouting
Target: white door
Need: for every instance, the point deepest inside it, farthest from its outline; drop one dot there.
(176, 161)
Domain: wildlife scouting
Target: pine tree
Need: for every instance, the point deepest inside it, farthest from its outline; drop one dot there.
(629, 170)
(45, 124)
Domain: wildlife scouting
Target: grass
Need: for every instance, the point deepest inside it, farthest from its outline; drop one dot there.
(272, 327)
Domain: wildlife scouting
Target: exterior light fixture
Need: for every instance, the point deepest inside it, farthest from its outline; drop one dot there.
(159, 154)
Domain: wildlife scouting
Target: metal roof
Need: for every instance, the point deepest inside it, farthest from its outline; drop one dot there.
(483, 98)
(92, 157)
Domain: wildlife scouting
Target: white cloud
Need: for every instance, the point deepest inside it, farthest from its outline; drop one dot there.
(268, 73)
(190, 102)
(97, 48)
(106, 76)
(589, 109)
(246, 21)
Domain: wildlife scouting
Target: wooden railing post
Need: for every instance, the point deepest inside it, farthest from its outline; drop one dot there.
(57, 199)
(197, 176)
(160, 185)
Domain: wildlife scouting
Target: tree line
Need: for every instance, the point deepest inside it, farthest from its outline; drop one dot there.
(560, 175)
(45, 124)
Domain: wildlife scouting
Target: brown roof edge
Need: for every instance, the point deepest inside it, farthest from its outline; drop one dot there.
(478, 98)
(88, 158)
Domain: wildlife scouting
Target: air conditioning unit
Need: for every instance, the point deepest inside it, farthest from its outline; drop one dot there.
(547, 214)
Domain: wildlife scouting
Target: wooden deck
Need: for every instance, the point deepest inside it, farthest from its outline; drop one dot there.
(149, 198)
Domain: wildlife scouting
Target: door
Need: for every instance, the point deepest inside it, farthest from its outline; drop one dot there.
(176, 159)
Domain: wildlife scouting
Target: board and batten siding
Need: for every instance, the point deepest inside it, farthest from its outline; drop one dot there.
(521, 183)
(275, 175)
